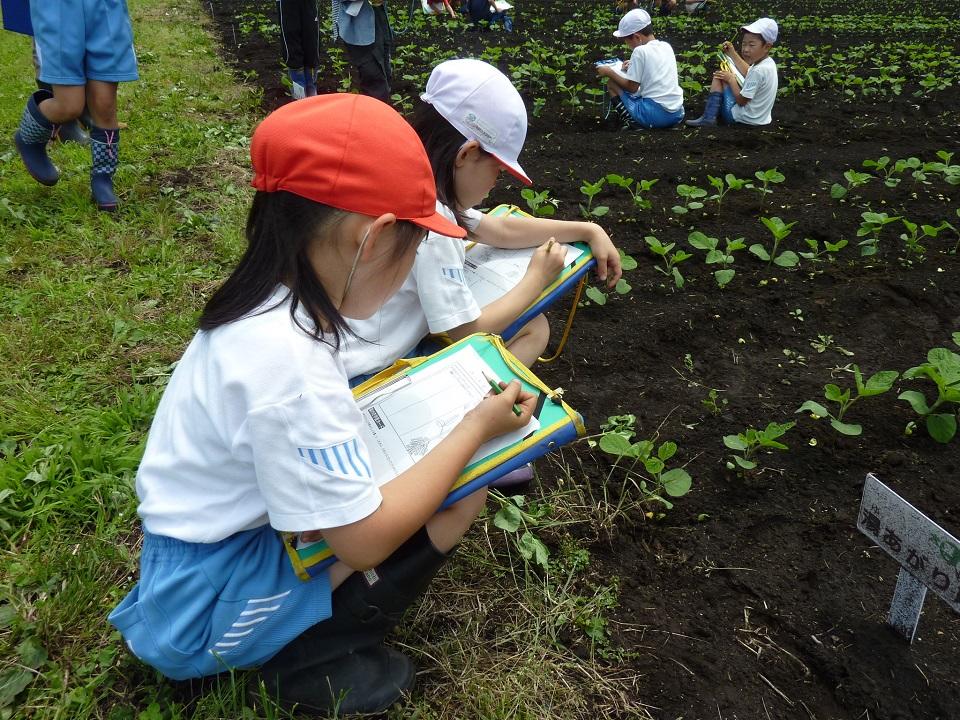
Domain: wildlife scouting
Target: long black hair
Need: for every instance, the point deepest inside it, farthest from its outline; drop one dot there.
(281, 227)
(442, 142)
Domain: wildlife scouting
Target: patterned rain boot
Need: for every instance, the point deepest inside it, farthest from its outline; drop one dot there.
(298, 83)
(68, 132)
(31, 140)
(105, 149)
(310, 89)
(710, 112)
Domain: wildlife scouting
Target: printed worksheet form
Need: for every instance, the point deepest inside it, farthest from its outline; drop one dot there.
(406, 419)
(491, 272)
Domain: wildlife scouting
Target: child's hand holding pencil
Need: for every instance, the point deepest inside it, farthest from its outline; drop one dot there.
(506, 409)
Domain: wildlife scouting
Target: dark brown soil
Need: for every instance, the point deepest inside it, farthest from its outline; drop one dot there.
(756, 596)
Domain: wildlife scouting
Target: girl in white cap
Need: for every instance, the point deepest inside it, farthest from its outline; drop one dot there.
(473, 124)
(748, 101)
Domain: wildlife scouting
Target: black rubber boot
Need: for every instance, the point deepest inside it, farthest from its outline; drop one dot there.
(105, 151)
(31, 140)
(341, 664)
(710, 112)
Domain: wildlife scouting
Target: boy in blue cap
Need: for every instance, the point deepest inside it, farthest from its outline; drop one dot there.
(84, 48)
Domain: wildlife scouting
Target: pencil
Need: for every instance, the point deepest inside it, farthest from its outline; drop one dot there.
(550, 243)
(495, 386)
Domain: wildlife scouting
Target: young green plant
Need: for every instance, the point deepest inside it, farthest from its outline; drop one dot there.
(670, 261)
(943, 368)
(540, 203)
(870, 228)
(767, 178)
(591, 189)
(636, 188)
(877, 384)
(780, 230)
(715, 256)
(691, 195)
(748, 443)
(723, 186)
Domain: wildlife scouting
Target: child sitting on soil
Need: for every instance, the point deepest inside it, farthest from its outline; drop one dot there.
(646, 89)
(83, 61)
(300, 35)
(751, 103)
(257, 432)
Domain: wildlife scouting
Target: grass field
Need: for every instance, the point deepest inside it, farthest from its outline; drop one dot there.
(94, 309)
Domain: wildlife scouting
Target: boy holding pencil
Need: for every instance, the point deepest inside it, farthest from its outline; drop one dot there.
(751, 102)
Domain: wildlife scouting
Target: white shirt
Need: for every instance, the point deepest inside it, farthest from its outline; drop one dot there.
(654, 67)
(760, 85)
(433, 299)
(256, 426)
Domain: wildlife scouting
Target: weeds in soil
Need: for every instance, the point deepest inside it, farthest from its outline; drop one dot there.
(877, 384)
(713, 402)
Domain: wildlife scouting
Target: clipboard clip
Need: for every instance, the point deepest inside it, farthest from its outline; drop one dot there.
(556, 396)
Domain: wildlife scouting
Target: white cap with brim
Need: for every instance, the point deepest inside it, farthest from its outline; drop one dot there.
(634, 21)
(483, 105)
(765, 28)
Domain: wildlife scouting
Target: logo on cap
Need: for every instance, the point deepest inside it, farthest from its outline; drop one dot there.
(485, 132)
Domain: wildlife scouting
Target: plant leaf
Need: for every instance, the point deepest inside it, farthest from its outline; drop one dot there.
(760, 251)
(734, 442)
(845, 428)
(676, 482)
(667, 450)
(942, 426)
(744, 463)
(917, 401)
(787, 258)
(879, 383)
(813, 407)
(508, 518)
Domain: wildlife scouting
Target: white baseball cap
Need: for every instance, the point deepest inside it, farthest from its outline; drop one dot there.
(765, 28)
(483, 105)
(632, 22)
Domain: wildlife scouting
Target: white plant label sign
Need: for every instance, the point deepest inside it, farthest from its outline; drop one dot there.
(928, 555)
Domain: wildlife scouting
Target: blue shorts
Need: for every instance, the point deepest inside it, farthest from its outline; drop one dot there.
(649, 113)
(202, 608)
(727, 103)
(80, 40)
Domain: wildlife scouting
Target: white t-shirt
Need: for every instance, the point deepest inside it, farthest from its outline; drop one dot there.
(760, 85)
(654, 67)
(256, 426)
(433, 299)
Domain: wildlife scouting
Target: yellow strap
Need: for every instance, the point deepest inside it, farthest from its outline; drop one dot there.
(569, 324)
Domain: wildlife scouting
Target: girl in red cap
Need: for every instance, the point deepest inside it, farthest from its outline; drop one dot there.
(257, 432)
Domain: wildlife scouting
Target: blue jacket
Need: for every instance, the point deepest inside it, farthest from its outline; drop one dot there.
(356, 29)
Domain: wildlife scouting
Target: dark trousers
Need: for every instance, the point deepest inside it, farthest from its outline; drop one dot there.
(299, 33)
(372, 62)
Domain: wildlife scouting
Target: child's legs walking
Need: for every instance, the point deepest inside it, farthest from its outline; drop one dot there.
(531, 340)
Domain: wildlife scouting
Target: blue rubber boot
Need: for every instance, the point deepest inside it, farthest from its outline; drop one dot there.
(710, 112)
(72, 132)
(310, 88)
(31, 140)
(105, 150)
(298, 83)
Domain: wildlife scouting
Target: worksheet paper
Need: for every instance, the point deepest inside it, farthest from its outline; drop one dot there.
(491, 272)
(406, 419)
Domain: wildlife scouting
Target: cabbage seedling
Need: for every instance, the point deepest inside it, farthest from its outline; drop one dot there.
(878, 384)
(691, 195)
(872, 224)
(751, 440)
(943, 367)
(660, 481)
(670, 262)
(716, 256)
(780, 230)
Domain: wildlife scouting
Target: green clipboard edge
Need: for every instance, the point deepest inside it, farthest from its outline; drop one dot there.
(559, 424)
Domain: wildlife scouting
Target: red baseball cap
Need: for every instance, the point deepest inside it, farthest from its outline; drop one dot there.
(350, 152)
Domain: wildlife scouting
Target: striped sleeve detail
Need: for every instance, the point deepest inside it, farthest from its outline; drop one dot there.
(344, 459)
(453, 273)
